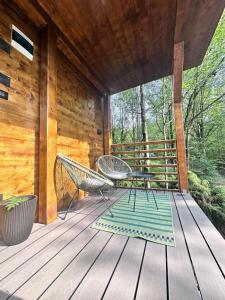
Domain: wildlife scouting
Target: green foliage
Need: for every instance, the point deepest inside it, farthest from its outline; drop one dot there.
(204, 118)
(203, 167)
(14, 201)
(211, 199)
(216, 216)
(199, 188)
(204, 191)
(218, 195)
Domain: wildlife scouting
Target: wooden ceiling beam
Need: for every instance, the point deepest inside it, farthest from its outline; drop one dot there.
(196, 22)
(40, 18)
(31, 12)
(82, 65)
(125, 43)
(118, 45)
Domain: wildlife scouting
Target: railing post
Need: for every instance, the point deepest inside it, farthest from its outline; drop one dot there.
(177, 91)
(47, 208)
(107, 137)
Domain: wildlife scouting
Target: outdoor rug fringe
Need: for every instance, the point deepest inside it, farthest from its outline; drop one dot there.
(145, 222)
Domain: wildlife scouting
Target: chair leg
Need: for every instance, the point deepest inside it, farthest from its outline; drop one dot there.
(155, 201)
(131, 191)
(69, 206)
(105, 200)
(147, 194)
(135, 192)
(146, 189)
(135, 195)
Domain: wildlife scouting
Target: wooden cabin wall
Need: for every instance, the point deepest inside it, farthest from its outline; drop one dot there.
(79, 118)
(78, 113)
(19, 116)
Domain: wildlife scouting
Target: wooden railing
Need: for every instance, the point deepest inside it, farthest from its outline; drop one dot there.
(158, 157)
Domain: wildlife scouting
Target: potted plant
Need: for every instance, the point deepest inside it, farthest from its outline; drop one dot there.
(17, 216)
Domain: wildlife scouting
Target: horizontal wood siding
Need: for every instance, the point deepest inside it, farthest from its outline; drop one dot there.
(79, 118)
(19, 116)
(78, 113)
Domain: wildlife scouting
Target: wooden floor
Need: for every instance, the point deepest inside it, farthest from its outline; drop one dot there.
(69, 260)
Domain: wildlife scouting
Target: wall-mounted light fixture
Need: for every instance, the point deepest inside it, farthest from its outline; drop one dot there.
(4, 95)
(99, 131)
(4, 46)
(4, 80)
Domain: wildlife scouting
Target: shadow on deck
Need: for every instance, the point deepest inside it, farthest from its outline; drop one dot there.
(69, 260)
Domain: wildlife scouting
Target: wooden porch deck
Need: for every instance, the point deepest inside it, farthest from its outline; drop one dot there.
(69, 260)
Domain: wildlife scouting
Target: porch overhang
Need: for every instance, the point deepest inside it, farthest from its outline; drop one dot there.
(121, 44)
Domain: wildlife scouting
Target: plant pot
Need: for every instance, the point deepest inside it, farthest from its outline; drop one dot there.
(16, 224)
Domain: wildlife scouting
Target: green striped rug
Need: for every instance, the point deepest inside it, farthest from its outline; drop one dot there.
(145, 222)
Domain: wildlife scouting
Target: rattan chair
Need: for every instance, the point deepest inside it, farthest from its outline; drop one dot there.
(113, 167)
(85, 179)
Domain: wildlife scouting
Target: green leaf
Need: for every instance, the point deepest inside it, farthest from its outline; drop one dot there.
(14, 201)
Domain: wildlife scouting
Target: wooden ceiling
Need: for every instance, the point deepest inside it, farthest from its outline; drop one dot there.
(124, 43)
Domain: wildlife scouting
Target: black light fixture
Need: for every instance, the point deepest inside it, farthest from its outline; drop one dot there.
(4, 80)
(4, 46)
(4, 95)
(99, 131)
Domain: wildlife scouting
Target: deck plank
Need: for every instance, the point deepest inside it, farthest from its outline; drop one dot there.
(123, 283)
(41, 280)
(20, 258)
(46, 275)
(11, 251)
(99, 275)
(88, 208)
(69, 259)
(209, 276)
(23, 273)
(117, 195)
(64, 286)
(214, 239)
(82, 206)
(179, 269)
(36, 227)
(181, 279)
(35, 235)
(152, 283)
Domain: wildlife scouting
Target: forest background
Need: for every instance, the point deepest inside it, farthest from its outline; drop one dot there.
(145, 113)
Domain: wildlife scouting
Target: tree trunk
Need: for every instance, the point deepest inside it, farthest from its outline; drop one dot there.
(187, 142)
(144, 132)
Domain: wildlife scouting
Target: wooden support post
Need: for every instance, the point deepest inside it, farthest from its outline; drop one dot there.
(107, 139)
(177, 90)
(47, 211)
